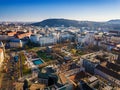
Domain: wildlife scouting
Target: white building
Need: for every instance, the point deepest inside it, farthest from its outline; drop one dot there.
(88, 38)
(80, 38)
(35, 38)
(85, 40)
(47, 40)
(66, 36)
(4, 37)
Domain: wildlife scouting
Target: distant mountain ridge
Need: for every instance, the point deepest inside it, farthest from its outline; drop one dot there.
(64, 22)
(75, 23)
(115, 21)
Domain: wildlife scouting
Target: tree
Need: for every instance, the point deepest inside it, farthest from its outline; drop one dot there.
(25, 86)
(26, 47)
(73, 51)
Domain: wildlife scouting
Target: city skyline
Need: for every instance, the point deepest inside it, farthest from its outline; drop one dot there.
(30, 10)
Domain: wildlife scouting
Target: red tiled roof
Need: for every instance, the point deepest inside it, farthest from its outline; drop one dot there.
(1, 50)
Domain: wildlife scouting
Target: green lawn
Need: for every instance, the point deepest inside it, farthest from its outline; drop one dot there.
(80, 53)
(44, 56)
(25, 68)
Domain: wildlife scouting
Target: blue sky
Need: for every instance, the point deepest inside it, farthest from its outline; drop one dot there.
(37, 10)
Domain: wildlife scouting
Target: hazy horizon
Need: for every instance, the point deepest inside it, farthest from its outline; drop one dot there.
(59, 18)
(38, 10)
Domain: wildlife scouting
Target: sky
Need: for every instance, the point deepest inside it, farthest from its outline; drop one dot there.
(38, 10)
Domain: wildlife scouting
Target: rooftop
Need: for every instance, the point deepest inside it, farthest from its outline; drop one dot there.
(43, 75)
(63, 78)
(92, 79)
(78, 76)
(113, 66)
(109, 72)
(1, 50)
(15, 40)
(84, 86)
(37, 86)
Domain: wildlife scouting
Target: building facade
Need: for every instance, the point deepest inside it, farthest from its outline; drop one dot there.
(1, 56)
(15, 43)
(108, 74)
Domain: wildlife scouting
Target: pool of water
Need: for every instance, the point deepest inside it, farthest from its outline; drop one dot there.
(37, 62)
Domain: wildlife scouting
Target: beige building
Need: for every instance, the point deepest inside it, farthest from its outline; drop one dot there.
(1, 56)
(16, 43)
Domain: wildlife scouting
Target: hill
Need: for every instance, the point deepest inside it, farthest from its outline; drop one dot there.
(111, 25)
(65, 22)
(116, 21)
